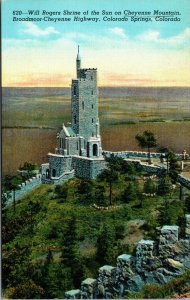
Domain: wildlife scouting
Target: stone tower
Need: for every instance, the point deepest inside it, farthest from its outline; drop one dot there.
(84, 106)
(79, 151)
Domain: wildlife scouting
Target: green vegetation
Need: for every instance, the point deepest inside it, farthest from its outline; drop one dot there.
(175, 287)
(10, 183)
(173, 166)
(147, 140)
(150, 186)
(56, 237)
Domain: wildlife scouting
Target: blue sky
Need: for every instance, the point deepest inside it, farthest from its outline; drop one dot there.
(126, 53)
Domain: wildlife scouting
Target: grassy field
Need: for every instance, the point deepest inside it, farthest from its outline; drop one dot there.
(31, 121)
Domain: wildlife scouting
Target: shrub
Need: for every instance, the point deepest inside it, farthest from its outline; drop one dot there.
(150, 186)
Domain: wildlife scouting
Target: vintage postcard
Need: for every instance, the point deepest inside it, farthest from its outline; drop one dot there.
(95, 149)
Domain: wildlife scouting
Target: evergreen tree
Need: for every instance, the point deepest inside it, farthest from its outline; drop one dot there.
(28, 169)
(53, 277)
(173, 166)
(105, 245)
(130, 193)
(164, 185)
(61, 192)
(150, 186)
(16, 265)
(85, 191)
(128, 168)
(147, 140)
(71, 264)
(109, 175)
(69, 243)
(171, 212)
(99, 196)
(164, 216)
(115, 162)
(11, 184)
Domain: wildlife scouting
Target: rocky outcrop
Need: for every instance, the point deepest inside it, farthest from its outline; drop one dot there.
(154, 263)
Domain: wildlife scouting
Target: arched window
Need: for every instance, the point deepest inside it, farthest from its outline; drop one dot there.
(47, 173)
(95, 150)
(92, 120)
(92, 106)
(53, 172)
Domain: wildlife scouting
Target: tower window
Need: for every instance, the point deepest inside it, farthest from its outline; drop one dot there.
(92, 92)
(92, 120)
(74, 90)
(53, 172)
(92, 106)
(82, 104)
(91, 77)
(75, 119)
(47, 173)
(95, 150)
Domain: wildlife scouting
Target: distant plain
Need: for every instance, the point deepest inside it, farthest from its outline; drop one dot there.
(31, 118)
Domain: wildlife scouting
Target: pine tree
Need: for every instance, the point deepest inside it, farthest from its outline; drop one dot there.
(85, 191)
(164, 185)
(99, 196)
(147, 140)
(130, 193)
(11, 184)
(69, 243)
(62, 192)
(110, 176)
(105, 245)
(149, 186)
(164, 216)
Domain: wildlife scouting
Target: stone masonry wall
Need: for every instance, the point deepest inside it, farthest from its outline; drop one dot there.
(81, 166)
(26, 187)
(154, 263)
(59, 163)
(87, 168)
(97, 166)
(136, 156)
(140, 154)
(184, 181)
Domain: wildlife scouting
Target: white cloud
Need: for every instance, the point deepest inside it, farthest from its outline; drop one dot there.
(34, 30)
(180, 38)
(154, 36)
(118, 31)
(150, 36)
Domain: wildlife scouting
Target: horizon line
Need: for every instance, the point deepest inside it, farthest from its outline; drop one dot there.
(104, 86)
